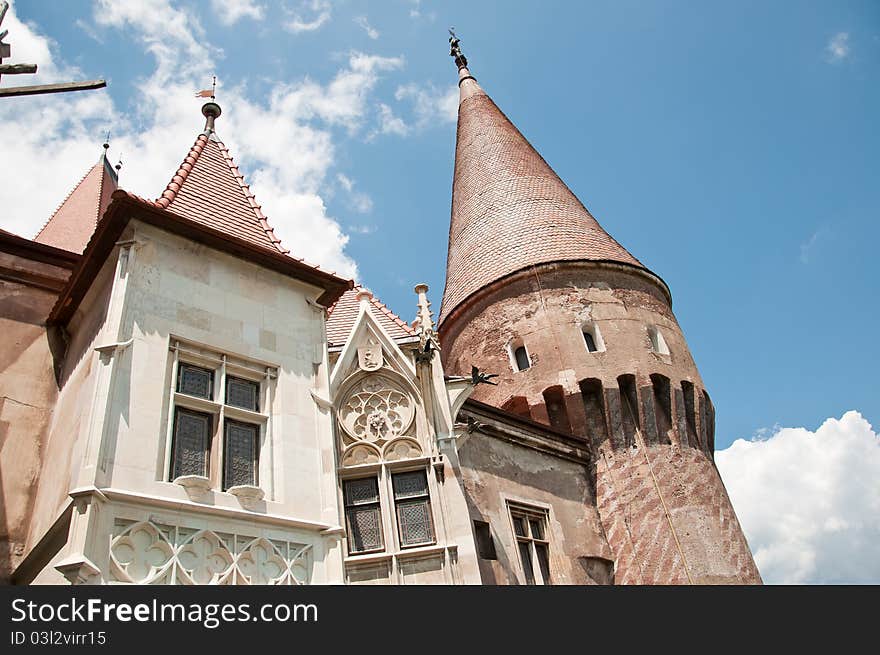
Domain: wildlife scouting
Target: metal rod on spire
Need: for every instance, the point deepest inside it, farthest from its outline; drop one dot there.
(455, 50)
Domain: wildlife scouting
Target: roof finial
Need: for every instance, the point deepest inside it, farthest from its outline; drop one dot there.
(455, 50)
(210, 110)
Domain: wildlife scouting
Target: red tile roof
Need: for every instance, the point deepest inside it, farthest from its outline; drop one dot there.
(509, 209)
(208, 188)
(72, 224)
(343, 314)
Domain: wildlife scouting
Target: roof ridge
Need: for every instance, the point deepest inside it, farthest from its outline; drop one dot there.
(171, 189)
(66, 198)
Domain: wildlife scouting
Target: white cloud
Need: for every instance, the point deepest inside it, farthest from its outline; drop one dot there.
(838, 47)
(321, 14)
(359, 202)
(430, 104)
(372, 32)
(231, 11)
(389, 123)
(809, 502)
(283, 143)
(808, 245)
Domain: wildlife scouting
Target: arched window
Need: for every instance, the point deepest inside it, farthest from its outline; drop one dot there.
(592, 337)
(658, 343)
(519, 355)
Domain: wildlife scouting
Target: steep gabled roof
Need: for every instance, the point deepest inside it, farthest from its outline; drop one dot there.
(342, 315)
(72, 224)
(509, 208)
(208, 188)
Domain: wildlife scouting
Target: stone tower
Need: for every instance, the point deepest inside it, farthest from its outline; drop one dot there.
(584, 339)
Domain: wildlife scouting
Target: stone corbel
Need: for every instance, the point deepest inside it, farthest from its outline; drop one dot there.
(111, 349)
(79, 569)
(320, 401)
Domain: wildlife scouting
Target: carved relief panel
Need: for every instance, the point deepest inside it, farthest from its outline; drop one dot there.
(143, 552)
(376, 416)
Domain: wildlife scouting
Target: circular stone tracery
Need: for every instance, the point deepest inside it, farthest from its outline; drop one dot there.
(376, 410)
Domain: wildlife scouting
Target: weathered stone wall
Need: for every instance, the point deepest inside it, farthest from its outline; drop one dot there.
(510, 461)
(630, 399)
(28, 290)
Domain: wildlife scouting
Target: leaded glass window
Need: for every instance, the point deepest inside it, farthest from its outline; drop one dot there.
(413, 507)
(530, 529)
(192, 432)
(242, 393)
(362, 515)
(240, 454)
(195, 381)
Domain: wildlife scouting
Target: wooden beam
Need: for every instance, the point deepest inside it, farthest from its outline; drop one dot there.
(17, 69)
(51, 88)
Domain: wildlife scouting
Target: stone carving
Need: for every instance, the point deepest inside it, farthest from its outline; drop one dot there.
(402, 449)
(376, 410)
(370, 356)
(148, 553)
(361, 454)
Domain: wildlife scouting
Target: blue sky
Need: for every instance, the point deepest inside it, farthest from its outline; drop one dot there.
(731, 147)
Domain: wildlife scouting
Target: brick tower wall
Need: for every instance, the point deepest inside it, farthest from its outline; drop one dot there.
(662, 504)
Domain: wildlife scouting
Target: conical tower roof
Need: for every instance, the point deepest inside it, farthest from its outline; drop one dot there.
(209, 189)
(72, 224)
(509, 209)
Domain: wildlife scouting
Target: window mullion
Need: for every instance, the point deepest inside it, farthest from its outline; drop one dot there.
(169, 436)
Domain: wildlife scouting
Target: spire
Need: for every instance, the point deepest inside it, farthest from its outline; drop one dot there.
(73, 223)
(209, 189)
(509, 208)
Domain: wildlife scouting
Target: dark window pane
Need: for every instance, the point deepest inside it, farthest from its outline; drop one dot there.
(522, 358)
(363, 491)
(407, 485)
(240, 455)
(191, 431)
(543, 561)
(525, 555)
(242, 393)
(195, 381)
(591, 343)
(485, 543)
(519, 526)
(414, 522)
(537, 528)
(364, 528)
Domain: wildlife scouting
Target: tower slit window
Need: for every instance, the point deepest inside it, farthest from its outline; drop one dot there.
(522, 358)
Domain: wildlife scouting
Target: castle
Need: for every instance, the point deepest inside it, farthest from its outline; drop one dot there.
(182, 401)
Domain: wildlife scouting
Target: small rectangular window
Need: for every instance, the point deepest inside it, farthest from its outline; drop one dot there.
(362, 515)
(195, 381)
(240, 454)
(530, 530)
(591, 343)
(413, 508)
(192, 432)
(485, 543)
(242, 393)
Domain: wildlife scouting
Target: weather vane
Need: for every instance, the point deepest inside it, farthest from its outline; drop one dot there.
(455, 50)
(209, 93)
